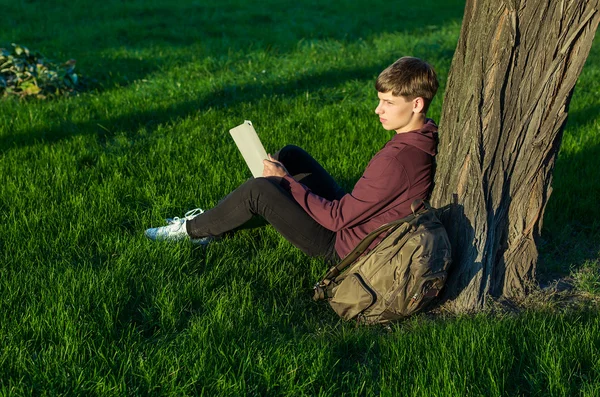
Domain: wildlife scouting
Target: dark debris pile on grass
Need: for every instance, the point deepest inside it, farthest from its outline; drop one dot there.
(28, 74)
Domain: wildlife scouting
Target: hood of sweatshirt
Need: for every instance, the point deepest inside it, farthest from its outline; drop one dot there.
(424, 139)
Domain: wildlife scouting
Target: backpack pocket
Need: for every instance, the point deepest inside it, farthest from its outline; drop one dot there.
(352, 297)
(424, 292)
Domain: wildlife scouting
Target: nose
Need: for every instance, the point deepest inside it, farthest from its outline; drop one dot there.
(378, 109)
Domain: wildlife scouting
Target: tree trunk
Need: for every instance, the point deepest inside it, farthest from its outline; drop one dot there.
(504, 112)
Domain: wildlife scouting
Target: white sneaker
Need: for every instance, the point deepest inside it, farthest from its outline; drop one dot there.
(173, 232)
(176, 230)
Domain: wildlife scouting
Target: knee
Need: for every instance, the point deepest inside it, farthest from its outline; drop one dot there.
(254, 186)
(258, 193)
(289, 152)
(291, 148)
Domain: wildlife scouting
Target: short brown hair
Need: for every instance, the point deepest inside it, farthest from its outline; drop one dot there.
(411, 78)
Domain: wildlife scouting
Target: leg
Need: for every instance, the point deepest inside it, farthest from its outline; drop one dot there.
(306, 170)
(264, 197)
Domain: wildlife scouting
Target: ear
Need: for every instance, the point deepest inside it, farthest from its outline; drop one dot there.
(418, 105)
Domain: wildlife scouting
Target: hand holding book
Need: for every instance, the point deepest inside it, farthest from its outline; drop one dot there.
(273, 167)
(254, 153)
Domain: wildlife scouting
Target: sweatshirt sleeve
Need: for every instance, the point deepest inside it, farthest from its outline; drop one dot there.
(384, 179)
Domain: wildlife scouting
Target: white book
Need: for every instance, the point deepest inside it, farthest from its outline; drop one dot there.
(249, 145)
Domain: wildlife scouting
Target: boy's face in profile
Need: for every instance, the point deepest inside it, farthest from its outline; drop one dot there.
(397, 113)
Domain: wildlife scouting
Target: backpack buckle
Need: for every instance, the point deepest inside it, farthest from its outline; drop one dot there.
(319, 293)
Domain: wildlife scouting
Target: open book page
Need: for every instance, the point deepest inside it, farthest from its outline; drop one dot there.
(249, 145)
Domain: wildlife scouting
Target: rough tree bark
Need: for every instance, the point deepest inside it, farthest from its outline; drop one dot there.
(505, 108)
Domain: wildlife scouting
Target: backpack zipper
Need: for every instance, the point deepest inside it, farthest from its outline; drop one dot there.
(368, 289)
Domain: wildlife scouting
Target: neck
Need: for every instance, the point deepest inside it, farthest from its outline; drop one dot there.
(416, 123)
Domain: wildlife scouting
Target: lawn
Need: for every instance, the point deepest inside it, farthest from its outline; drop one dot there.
(90, 306)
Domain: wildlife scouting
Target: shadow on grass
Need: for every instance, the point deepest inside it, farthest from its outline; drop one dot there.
(581, 117)
(131, 40)
(123, 71)
(233, 24)
(227, 97)
(571, 234)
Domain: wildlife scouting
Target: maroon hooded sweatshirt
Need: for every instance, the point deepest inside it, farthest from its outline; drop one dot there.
(401, 172)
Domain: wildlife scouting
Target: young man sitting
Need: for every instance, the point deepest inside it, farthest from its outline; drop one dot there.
(305, 204)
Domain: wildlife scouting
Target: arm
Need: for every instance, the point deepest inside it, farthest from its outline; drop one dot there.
(383, 181)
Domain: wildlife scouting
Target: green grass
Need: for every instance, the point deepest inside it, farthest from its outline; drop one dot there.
(89, 306)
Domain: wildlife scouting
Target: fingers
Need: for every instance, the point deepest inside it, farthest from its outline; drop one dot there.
(269, 163)
(273, 167)
(272, 159)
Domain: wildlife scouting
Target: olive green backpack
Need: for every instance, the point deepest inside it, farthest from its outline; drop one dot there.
(398, 277)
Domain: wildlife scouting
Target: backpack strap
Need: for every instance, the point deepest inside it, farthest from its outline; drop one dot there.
(363, 245)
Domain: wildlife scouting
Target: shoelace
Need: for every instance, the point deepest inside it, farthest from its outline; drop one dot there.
(187, 216)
